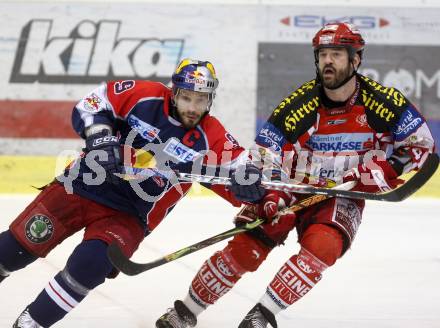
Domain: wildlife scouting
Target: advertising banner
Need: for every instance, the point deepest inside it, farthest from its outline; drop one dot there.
(52, 54)
(402, 51)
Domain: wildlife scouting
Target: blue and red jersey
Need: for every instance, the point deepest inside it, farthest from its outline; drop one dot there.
(140, 114)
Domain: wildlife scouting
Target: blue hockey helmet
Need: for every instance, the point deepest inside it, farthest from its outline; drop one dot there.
(195, 75)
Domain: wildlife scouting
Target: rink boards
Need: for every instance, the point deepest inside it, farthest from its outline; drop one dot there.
(18, 174)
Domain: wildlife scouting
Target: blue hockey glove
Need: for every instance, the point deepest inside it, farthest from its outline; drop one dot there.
(110, 158)
(246, 183)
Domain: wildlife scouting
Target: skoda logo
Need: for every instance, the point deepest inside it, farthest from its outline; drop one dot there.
(39, 229)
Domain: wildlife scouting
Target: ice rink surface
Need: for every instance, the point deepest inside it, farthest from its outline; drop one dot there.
(389, 278)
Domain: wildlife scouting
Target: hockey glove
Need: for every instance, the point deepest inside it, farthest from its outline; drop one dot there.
(246, 183)
(373, 176)
(277, 227)
(273, 202)
(108, 155)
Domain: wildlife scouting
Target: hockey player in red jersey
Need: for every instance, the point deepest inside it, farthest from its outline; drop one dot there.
(342, 126)
(138, 123)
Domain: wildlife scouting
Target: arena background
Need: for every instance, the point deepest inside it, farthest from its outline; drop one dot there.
(53, 52)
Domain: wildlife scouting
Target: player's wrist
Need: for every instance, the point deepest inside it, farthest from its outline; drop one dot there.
(98, 128)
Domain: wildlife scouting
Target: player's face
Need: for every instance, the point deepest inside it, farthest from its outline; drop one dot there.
(334, 66)
(191, 105)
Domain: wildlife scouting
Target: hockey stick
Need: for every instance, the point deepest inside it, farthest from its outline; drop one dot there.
(125, 265)
(396, 195)
(130, 268)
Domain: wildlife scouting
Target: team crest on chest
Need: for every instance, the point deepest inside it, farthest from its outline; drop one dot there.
(362, 120)
(39, 228)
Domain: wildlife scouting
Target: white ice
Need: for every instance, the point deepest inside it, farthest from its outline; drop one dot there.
(389, 278)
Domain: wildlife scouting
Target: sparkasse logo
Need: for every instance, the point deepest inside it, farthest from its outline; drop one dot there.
(91, 53)
(317, 21)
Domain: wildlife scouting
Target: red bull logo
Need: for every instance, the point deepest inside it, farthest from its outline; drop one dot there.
(195, 75)
(91, 103)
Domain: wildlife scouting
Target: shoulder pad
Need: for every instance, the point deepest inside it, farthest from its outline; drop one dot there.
(297, 96)
(297, 112)
(383, 105)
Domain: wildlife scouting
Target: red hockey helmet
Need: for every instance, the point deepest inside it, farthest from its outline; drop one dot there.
(339, 35)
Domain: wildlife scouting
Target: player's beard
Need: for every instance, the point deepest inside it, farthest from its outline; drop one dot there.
(338, 76)
(189, 120)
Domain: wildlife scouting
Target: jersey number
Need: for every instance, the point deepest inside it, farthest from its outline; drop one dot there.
(123, 86)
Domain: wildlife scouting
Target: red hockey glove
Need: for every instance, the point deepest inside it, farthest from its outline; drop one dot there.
(373, 176)
(278, 226)
(274, 201)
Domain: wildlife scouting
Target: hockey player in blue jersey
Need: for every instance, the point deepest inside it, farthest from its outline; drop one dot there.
(123, 123)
